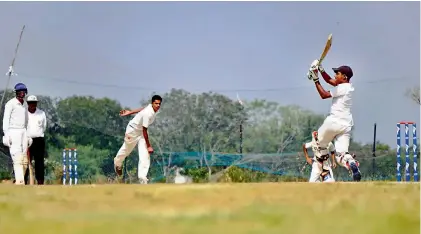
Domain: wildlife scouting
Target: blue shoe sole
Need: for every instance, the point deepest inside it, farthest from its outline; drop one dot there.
(356, 175)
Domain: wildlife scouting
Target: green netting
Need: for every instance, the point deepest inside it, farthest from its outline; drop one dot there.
(257, 167)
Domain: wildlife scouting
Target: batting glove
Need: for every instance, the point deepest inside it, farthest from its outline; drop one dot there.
(312, 75)
(314, 65)
(321, 69)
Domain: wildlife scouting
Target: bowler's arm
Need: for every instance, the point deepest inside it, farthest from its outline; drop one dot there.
(145, 125)
(131, 112)
(135, 111)
(146, 136)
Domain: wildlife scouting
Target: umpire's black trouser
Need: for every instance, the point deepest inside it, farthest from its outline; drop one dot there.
(37, 152)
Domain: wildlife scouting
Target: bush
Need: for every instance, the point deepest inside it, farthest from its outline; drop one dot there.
(5, 175)
(198, 175)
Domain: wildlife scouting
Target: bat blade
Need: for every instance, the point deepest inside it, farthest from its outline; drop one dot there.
(327, 48)
(31, 169)
(31, 175)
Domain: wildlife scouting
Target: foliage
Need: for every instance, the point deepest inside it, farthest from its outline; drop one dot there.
(414, 94)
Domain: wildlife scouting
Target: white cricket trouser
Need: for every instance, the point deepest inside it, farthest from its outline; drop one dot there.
(333, 129)
(18, 150)
(133, 137)
(317, 169)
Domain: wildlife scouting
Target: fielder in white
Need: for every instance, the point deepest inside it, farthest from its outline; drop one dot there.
(15, 121)
(338, 125)
(321, 170)
(137, 133)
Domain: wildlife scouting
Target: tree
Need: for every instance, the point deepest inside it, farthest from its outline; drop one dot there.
(272, 128)
(192, 122)
(414, 94)
(91, 121)
(187, 122)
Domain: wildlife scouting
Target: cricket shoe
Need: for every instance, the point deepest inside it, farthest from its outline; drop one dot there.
(356, 174)
(20, 182)
(143, 180)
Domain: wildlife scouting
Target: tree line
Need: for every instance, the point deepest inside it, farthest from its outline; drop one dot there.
(197, 132)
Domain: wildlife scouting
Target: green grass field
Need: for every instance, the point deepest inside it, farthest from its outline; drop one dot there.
(264, 208)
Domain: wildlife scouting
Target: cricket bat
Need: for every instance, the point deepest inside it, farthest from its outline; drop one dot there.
(31, 170)
(327, 48)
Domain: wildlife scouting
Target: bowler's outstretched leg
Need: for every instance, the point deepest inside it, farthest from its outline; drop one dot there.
(131, 138)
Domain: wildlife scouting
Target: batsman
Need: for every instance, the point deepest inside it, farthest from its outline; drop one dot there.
(15, 121)
(338, 124)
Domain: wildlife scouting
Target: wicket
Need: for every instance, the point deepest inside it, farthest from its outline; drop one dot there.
(398, 151)
(72, 166)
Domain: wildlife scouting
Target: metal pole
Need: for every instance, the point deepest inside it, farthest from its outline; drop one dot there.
(241, 124)
(241, 136)
(374, 149)
(10, 72)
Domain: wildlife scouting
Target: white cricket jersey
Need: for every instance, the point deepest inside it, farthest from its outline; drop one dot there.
(15, 115)
(317, 152)
(143, 119)
(342, 103)
(37, 123)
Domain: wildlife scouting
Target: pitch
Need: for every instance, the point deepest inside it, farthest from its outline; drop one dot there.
(361, 208)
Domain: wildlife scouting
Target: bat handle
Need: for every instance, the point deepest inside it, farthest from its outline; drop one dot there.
(320, 61)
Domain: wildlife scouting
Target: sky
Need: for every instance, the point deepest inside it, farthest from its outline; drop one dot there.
(127, 50)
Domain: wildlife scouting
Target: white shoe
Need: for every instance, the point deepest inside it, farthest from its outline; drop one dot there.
(20, 182)
(143, 180)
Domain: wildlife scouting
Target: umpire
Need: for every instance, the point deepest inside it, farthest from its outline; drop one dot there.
(37, 124)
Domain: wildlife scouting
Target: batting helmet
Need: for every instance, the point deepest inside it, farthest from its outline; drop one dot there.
(21, 87)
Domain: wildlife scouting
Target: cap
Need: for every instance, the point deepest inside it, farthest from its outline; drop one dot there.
(344, 70)
(32, 98)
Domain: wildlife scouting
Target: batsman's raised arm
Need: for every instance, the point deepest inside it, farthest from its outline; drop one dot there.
(322, 92)
(313, 74)
(326, 76)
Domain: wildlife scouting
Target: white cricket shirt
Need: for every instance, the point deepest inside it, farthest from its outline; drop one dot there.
(342, 104)
(37, 123)
(15, 115)
(143, 119)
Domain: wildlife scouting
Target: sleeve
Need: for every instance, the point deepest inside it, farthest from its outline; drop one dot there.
(44, 121)
(338, 91)
(307, 145)
(145, 119)
(332, 148)
(26, 117)
(6, 117)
